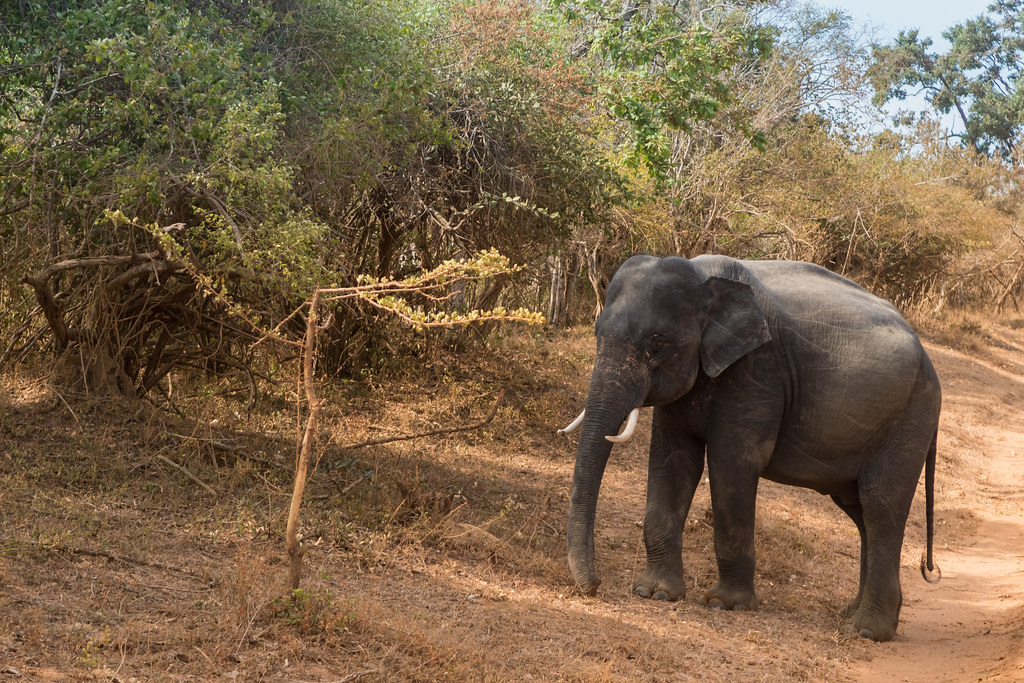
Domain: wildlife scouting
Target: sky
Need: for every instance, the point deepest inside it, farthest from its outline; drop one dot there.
(884, 19)
(890, 16)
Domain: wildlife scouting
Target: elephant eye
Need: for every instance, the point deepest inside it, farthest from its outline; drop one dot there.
(657, 343)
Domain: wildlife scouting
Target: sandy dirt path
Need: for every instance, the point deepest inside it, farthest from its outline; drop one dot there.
(447, 562)
(969, 626)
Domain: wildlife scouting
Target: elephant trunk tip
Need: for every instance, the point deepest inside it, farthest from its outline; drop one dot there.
(581, 568)
(588, 587)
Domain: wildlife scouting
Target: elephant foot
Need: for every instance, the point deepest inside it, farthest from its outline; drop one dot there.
(850, 609)
(721, 597)
(660, 585)
(873, 627)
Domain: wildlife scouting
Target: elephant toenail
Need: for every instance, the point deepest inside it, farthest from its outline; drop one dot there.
(661, 595)
(715, 603)
(641, 592)
(867, 633)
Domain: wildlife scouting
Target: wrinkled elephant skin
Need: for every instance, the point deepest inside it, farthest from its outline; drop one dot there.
(771, 369)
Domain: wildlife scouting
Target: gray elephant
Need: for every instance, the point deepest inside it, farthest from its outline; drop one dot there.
(773, 369)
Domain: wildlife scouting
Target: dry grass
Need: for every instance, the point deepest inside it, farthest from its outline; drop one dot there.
(434, 559)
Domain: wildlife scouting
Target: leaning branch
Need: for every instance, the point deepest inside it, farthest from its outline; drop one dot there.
(90, 262)
(292, 543)
(382, 295)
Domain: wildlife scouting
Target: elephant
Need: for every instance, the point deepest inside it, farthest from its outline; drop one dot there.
(774, 369)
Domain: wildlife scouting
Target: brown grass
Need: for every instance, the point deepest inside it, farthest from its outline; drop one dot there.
(433, 559)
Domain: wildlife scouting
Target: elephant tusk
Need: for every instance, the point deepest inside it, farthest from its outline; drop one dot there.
(627, 432)
(573, 425)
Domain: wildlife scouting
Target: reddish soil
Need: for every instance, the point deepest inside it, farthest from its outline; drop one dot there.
(443, 558)
(970, 626)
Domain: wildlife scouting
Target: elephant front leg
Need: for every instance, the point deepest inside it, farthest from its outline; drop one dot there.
(733, 501)
(674, 470)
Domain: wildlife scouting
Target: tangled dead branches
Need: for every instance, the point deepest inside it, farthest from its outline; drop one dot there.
(122, 322)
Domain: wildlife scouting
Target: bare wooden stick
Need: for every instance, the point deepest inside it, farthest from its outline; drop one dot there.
(133, 560)
(294, 547)
(91, 261)
(1009, 288)
(186, 473)
(436, 432)
(356, 676)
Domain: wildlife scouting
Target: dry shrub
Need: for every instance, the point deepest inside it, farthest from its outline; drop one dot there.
(924, 227)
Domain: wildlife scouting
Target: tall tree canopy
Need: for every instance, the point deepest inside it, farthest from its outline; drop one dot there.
(979, 76)
(666, 66)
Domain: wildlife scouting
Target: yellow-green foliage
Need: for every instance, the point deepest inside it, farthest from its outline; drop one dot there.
(319, 143)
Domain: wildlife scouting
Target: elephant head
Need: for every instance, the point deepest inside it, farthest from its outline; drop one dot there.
(661, 326)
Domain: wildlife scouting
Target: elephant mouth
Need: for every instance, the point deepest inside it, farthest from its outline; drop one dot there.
(625, 435)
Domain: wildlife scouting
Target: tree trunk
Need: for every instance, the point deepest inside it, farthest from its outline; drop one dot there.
(563, 270)
(556, 295)
(597, 272)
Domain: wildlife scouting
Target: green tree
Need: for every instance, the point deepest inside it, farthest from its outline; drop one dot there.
(283, 145)
(665, 66)
(979, 76)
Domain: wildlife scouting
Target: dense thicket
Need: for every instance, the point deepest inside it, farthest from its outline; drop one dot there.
(177, 176)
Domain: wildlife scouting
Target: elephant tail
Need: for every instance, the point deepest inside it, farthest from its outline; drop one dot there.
(929, 570)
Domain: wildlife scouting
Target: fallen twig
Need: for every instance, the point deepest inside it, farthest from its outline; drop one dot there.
(224, 447)
(186, 473)
(356, 675)
(354, 484)
(132, 560)
(66, 404)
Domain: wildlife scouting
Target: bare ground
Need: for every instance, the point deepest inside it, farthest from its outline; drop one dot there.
(443, 559)
(970, 626)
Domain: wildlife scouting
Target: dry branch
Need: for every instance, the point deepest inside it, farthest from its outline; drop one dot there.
(294, 547)
(1009, 288)
(90, 262)
(144, 263)
(133, 318)
(186, 473)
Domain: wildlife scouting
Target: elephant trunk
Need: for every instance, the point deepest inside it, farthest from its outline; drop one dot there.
(608, 404)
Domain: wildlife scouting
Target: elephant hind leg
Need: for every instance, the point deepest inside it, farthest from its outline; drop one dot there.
(880, 599)
(885, 489)
(884, 510)
(850, 504)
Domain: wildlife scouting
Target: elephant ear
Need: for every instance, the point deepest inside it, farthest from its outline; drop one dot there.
(736, 325)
